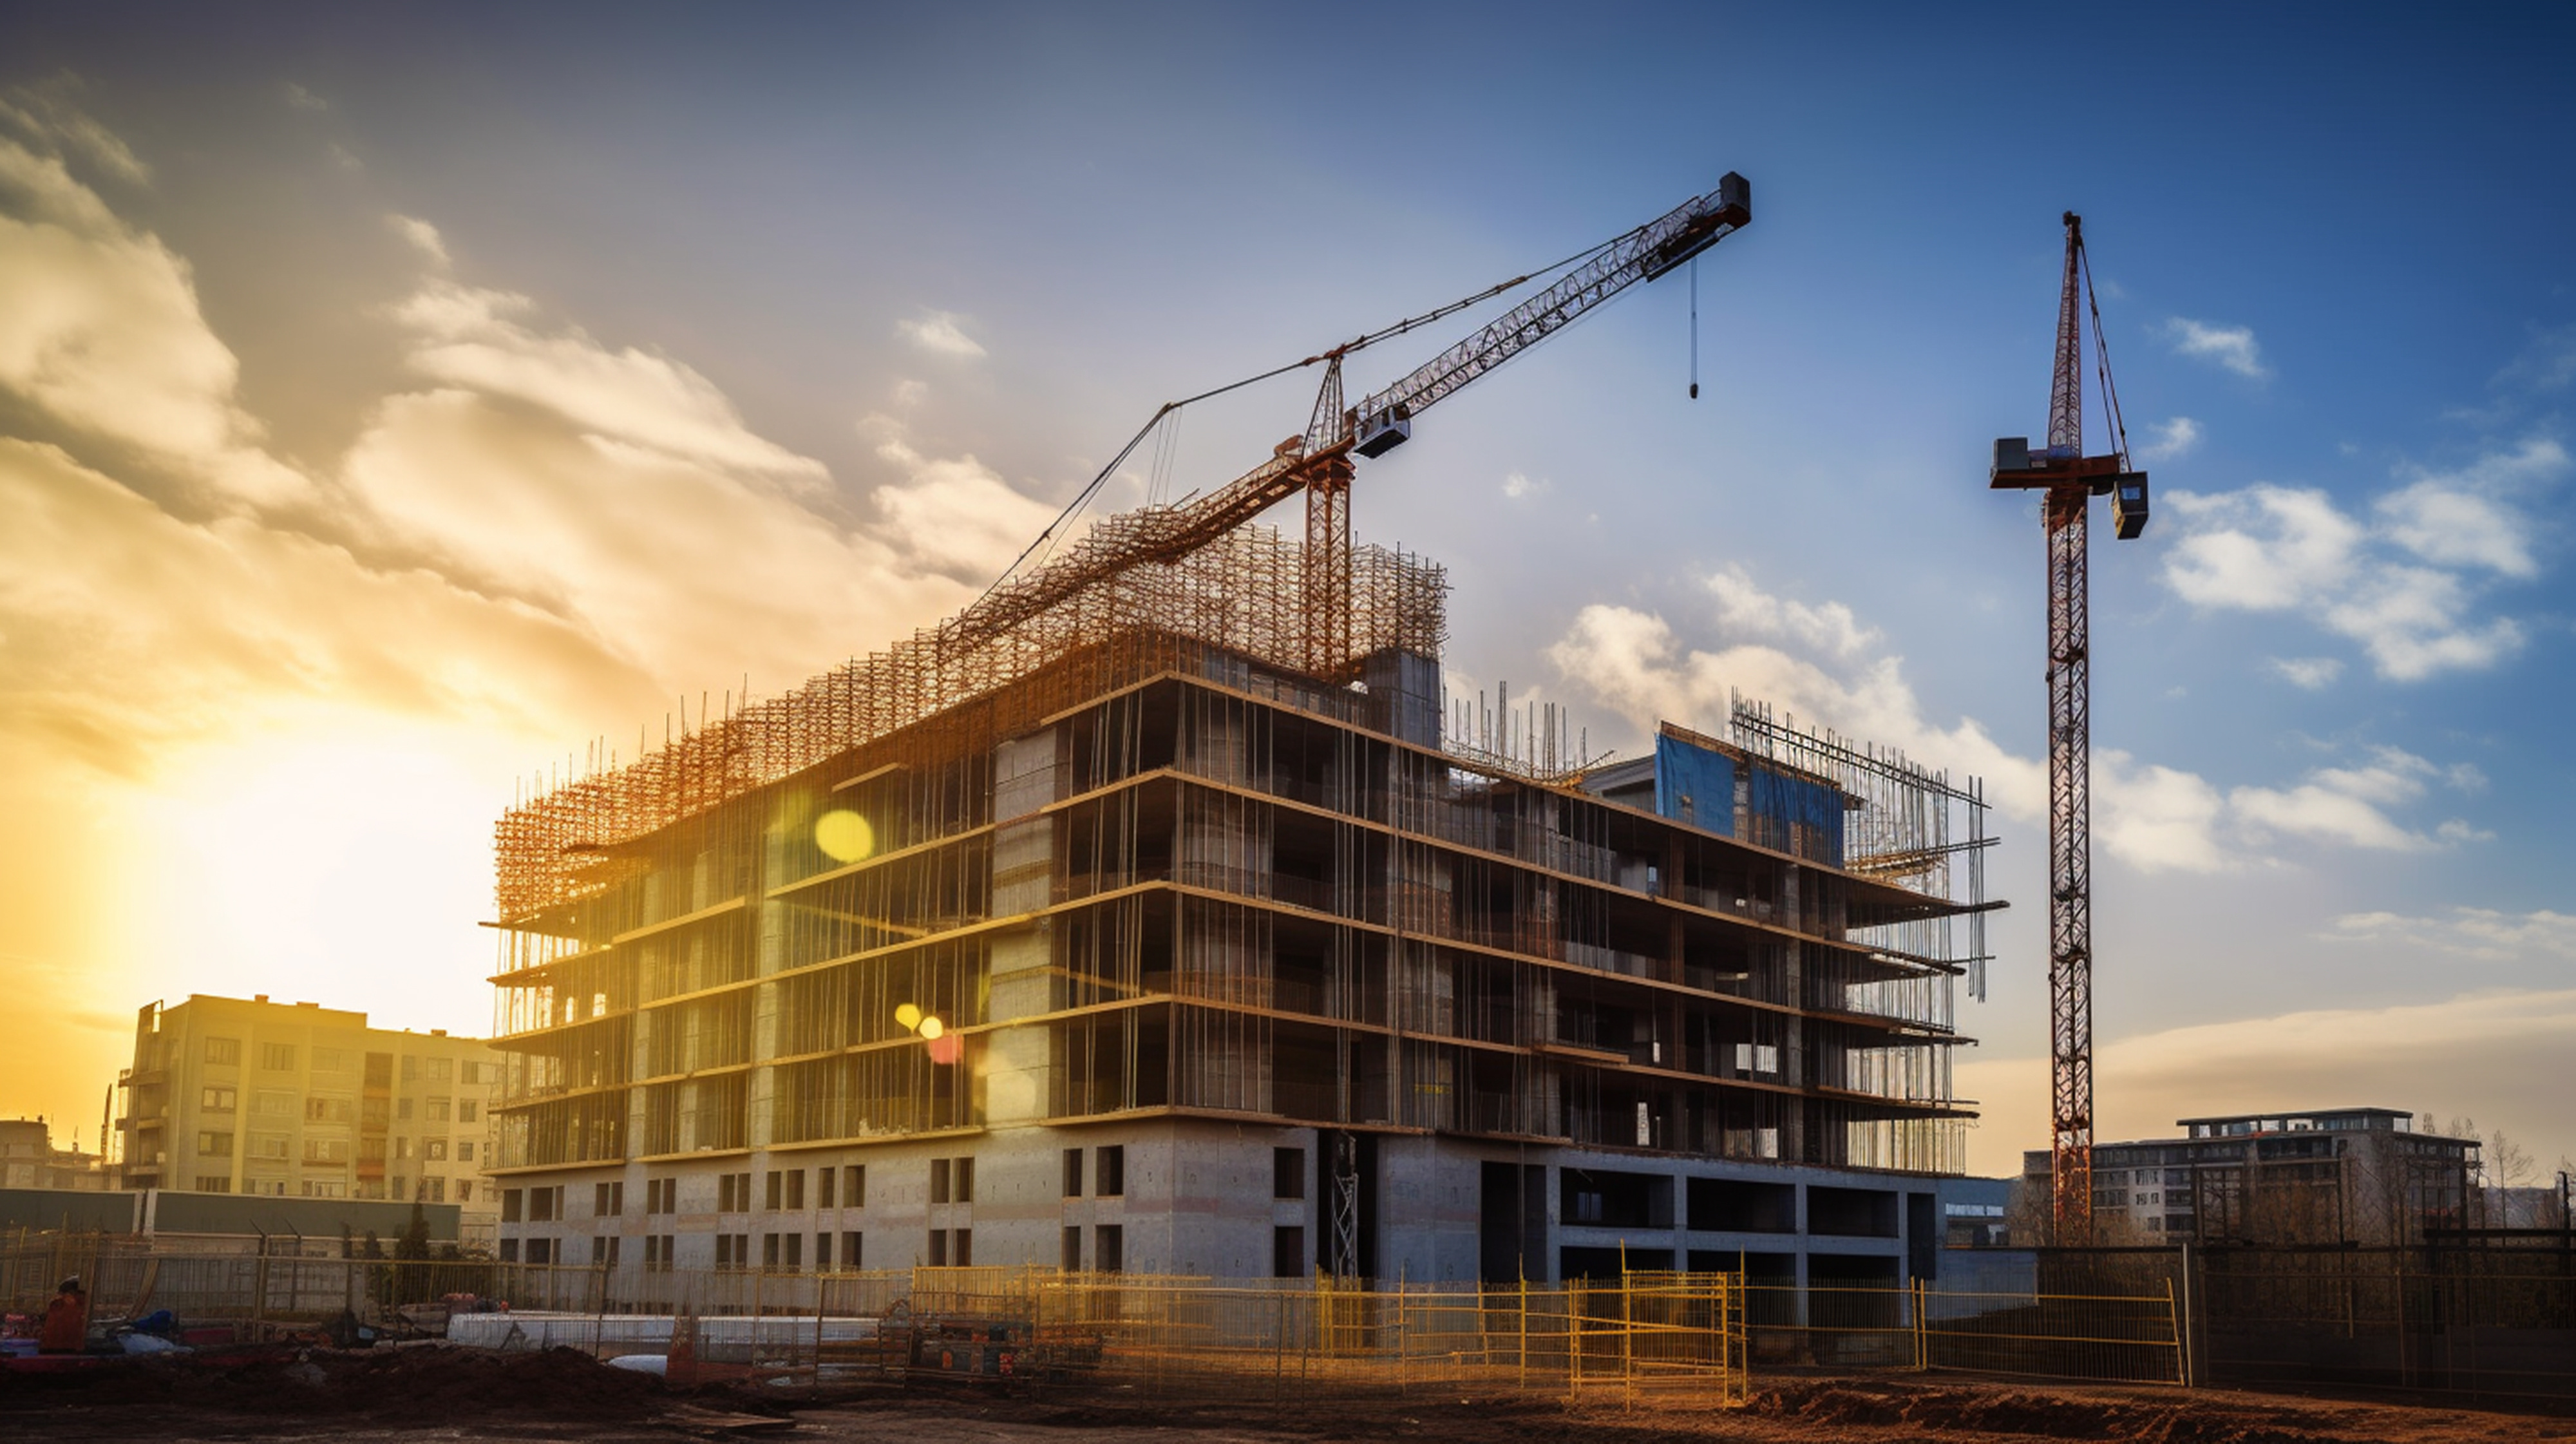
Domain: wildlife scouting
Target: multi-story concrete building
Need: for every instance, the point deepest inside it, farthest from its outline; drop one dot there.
(29, 1159)
(2345, 1175)
(228, 1095)
(1162, 937)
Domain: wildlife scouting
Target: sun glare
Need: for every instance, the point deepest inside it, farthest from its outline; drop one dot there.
(844, 836)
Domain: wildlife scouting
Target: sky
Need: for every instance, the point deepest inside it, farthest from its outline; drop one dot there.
(400, 403)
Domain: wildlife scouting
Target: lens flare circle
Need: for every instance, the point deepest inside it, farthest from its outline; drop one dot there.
(947, 1049)
(844, 836)
(931, 1027)
(908, 1017)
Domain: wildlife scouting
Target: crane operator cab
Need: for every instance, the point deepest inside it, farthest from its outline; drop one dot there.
(2128, 504)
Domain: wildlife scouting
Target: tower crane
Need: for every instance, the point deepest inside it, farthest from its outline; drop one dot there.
(1319, 460)
(2068, 480)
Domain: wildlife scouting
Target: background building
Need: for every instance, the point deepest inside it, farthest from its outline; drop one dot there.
(2347, 1175)
(29, 1159)
(1153, 931)
(298, 1100)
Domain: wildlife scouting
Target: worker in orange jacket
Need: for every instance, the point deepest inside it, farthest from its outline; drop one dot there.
(66, 1320)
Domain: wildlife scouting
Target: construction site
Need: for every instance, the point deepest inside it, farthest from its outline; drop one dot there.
(1153, 998)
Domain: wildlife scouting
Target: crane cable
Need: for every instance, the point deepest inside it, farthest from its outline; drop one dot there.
(1358, 343)
(2102, 363)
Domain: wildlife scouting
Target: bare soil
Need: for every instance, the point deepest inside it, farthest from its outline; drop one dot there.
(415, 1395)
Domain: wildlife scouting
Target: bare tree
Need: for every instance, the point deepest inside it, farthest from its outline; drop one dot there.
(2508, 1164)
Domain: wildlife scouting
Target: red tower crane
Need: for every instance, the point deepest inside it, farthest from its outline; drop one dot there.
(2068, 481)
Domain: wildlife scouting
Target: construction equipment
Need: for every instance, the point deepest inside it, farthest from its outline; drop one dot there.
(1318, 461)
(2069, 480)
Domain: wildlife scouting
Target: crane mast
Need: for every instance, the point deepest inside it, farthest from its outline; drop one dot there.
(2068, 481)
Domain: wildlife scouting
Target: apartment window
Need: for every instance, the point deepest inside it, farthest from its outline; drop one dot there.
(733, 1193)
(795, 1188)
(824, 1178)
(545, 1205)
(661, 1195)
(331, 1060)
(1288, 1251)
(939, 1248)
(374, 1112)
(512, 1203)
(823, 1246)
(965, 1180)
(329, 1110)
(326, 1150)
(854, 1188)
(439, 1108)
(224, 1052)
(276, 1147)
(1072, 1176)
(402, 1147)
(509, 1250)
(217, 1100)
(400, 1188)
(541, 1250)
(782, 1250)
(1109, 1248)
(607, 1200)
(434, 1149)
(214, 1143)
(440, 1070)
(1071, 1258)
(402, 1109)
(939, 1194)
(776, 1190)
(433, 1190)
(965, 1249)
(657, 1252)
(604, 1250)
(850, 1250)
(1109, 1176)
(465, 1150)
(214, 1183)
(273, 1103)
(411, 1070)
(733, 1250)
(1288, 1173)
(277, 1057)
(380, 1070)
(328, 1188)
(468, 1111)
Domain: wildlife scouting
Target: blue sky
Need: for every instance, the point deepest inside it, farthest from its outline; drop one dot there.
(395, 399)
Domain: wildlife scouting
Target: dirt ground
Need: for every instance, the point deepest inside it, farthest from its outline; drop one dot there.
(411, 1396)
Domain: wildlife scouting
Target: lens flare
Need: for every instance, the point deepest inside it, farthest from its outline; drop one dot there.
(908, 1016)
(931, 1027)
(947, 1049)
(844, 836)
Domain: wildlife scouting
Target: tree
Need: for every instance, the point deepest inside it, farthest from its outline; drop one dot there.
(2508, 1164)
(413, 1246)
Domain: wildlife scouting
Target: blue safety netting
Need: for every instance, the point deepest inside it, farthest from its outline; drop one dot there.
(1695, 785)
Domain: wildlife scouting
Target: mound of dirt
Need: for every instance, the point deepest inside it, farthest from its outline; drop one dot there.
(424, 1384)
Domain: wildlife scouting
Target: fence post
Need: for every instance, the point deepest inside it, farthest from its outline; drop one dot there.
(1922, 1346)
(2187, 1335)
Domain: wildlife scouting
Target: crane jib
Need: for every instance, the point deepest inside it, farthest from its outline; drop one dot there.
(1385, 420)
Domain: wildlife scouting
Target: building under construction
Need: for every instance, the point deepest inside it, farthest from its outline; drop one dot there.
(1132, 938)
(1160, 913)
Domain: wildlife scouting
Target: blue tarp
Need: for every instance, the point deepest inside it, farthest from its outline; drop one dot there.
(1776, 802)
(1695, 785)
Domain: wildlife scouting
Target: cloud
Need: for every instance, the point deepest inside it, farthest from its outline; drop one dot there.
(2404, 584)
(2175, 438)
(2479, 933)
(2348, 805)
(300, 98)
(2315, 674)
(2548, 363)
(100, 330)
(940, 332)
(2231, 347)
(1820, 661)
(954, 516)
(49, 117)
(423, 237)
(1517, 485)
